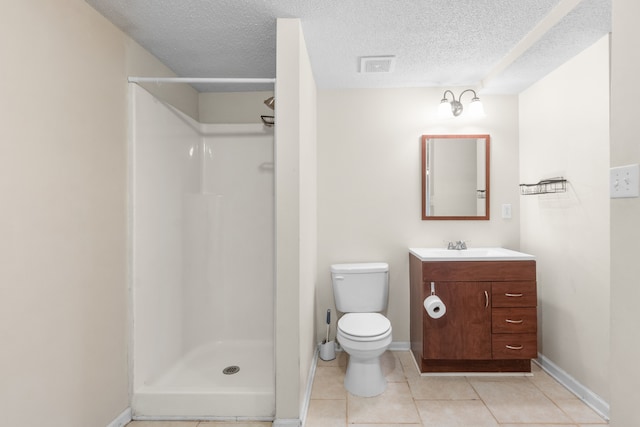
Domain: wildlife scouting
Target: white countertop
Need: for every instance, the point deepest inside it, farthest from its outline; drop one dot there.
(471, 254)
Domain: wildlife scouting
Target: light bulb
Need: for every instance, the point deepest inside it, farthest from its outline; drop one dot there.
(476, 108)
(444, 110)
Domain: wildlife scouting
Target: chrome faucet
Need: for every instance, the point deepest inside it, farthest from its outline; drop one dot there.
(458, 246)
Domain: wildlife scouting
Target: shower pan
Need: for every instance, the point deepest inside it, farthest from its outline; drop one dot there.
(202, 266)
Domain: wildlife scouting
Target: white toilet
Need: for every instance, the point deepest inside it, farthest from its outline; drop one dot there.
(361, 292)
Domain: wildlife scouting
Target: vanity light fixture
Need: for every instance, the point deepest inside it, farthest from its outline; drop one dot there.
(450, 109)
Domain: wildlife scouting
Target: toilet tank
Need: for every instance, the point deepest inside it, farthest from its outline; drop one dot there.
(360, 287)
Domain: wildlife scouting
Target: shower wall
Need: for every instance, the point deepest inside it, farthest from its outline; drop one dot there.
(166, 167)
(203, 263)
(230, 237)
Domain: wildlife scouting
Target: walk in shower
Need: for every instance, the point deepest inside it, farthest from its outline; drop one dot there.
(202, 270)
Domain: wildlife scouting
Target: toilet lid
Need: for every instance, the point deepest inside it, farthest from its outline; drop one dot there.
(364, 324)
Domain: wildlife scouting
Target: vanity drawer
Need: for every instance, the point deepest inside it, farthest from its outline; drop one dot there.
(514, 320)
(513, 294)
(514, 346)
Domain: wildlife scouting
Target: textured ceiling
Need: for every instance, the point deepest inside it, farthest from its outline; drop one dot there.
(494, 45)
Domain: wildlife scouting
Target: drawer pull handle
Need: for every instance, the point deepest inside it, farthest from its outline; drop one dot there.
(514, 347)
(514, 321)
(486, 299)
(513, 295)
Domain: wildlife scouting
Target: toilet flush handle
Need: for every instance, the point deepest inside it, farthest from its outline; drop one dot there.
(339, 277)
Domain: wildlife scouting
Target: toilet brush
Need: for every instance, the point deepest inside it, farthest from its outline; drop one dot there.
(328, 324)
(328, 349)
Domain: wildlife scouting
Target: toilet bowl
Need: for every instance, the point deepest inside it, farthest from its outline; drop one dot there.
(364, 336)
(361, 292)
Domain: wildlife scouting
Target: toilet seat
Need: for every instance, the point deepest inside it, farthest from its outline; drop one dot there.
(364, 326)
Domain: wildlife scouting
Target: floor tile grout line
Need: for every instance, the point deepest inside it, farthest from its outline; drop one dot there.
(553, 401)
(346, 410)
(413, 398)
(482, 400)
(574, 423)
(400, 370)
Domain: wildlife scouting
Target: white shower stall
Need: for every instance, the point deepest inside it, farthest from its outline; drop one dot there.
(202, 266)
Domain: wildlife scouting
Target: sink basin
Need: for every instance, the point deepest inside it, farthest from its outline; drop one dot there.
(471, 254)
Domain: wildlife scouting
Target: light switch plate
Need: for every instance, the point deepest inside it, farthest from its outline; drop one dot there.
(624, 181)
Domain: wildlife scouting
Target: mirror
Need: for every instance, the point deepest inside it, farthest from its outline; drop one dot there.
(455, 177)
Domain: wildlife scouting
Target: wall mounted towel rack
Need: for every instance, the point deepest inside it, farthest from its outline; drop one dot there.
(545, 186)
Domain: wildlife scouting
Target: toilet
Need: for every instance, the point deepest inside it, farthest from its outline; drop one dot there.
(361, 292)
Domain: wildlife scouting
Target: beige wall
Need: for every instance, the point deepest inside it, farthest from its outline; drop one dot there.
(625, 232)
(140, 63)
(295, 219)
(369, 185)
(308, 215)
(63, 221)
(233, 107)
(63, 250)
(564, 131)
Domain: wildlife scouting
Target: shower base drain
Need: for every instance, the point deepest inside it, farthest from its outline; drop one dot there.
(230, 370)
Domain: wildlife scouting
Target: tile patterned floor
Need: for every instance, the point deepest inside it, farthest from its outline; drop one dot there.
(436, 401)
(415, 401)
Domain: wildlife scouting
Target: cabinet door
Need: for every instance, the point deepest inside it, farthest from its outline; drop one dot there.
(464, 332)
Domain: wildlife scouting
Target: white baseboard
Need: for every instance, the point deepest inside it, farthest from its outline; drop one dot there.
(400, 346)
(594, 401)
(283, 422)
(307, 394)
(121, 420)
(180, 418)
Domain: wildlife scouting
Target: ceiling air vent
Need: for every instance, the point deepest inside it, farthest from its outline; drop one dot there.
(377, 64)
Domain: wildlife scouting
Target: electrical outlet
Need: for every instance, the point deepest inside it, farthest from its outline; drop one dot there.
(624, 181)
(506, 211)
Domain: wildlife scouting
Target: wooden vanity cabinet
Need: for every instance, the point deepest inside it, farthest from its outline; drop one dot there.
(461, 333)
(491, 320)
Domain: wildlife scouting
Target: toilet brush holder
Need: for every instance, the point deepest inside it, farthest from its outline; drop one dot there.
(328, 350)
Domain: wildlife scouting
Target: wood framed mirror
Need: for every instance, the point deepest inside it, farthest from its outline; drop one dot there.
(455, 177)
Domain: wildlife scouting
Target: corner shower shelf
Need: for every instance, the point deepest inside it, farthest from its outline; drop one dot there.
(546, 186)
